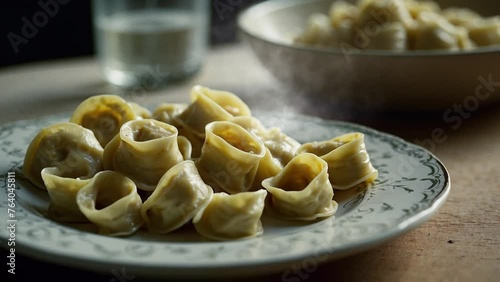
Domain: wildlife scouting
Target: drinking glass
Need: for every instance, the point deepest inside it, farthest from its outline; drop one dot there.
(147, 43)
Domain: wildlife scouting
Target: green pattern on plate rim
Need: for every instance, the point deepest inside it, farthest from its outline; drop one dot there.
(412, 184)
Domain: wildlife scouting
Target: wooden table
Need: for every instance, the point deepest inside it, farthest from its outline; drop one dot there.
(460, 243)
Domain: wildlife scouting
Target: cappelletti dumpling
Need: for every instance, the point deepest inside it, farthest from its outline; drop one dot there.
(392, 36)
(230, 156)
(302, 190)
(268, 165)
(461, 16)
(229, 217)
(485, 32)
(319, 32)
(62, 192)
(195, 141)
(435, 32)
(348, 161)
(180, 194)
(72, 149)
(415, 7)
(380, 12)
(104, 115)
(210, 105)
(341, 11)
(143, 151)
(167, 112)
(185, 147)
(111, 202)
(281, 146)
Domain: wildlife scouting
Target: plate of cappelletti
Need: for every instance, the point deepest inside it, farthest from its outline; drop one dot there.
(208, 188)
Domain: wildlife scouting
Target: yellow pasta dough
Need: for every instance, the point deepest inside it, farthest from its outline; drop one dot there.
(104, 115)
(209, 162)
(229, 217)
(180, 194)
(302, 190)
(74, 150)
(111, 202)
(143, 151)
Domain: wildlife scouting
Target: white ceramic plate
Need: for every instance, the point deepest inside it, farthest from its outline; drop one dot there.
(412, 185)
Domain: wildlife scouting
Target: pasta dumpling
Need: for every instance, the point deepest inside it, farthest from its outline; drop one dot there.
(185, 147)
(415, 7)
(167, 112)
(229, 217)
(251, 124)
(318, 32)
(392, 36)
(461, 16)
(302, 190)
(210, 105)
(111, 202)
(143, 151)
(380, 12)
(281, 146)
(230, 156)
(189, 143)
(268, 165)
(104, 115)
(348, 161)
(341, 11)
(434, 32)
(485, 32)
(62, 192)
(180, 194)
(74, 150)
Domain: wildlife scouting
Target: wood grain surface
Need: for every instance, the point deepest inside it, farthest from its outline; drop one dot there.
(460, 243)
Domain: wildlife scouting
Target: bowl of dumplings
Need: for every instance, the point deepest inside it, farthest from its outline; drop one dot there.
(122, 169)
(386, 55)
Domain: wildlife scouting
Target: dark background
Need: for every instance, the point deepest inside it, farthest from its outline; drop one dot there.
(68, 31)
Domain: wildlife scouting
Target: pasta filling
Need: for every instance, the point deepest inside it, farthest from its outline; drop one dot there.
(237, 141)
(58, 150)
(150, 132)
(299, 177)
(102, 121)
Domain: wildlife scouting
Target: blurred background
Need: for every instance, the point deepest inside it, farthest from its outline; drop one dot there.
(67, 31)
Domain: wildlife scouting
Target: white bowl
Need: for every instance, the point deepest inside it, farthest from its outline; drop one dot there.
(409, 80)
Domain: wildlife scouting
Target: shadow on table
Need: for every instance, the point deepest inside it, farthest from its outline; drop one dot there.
(352, 268)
